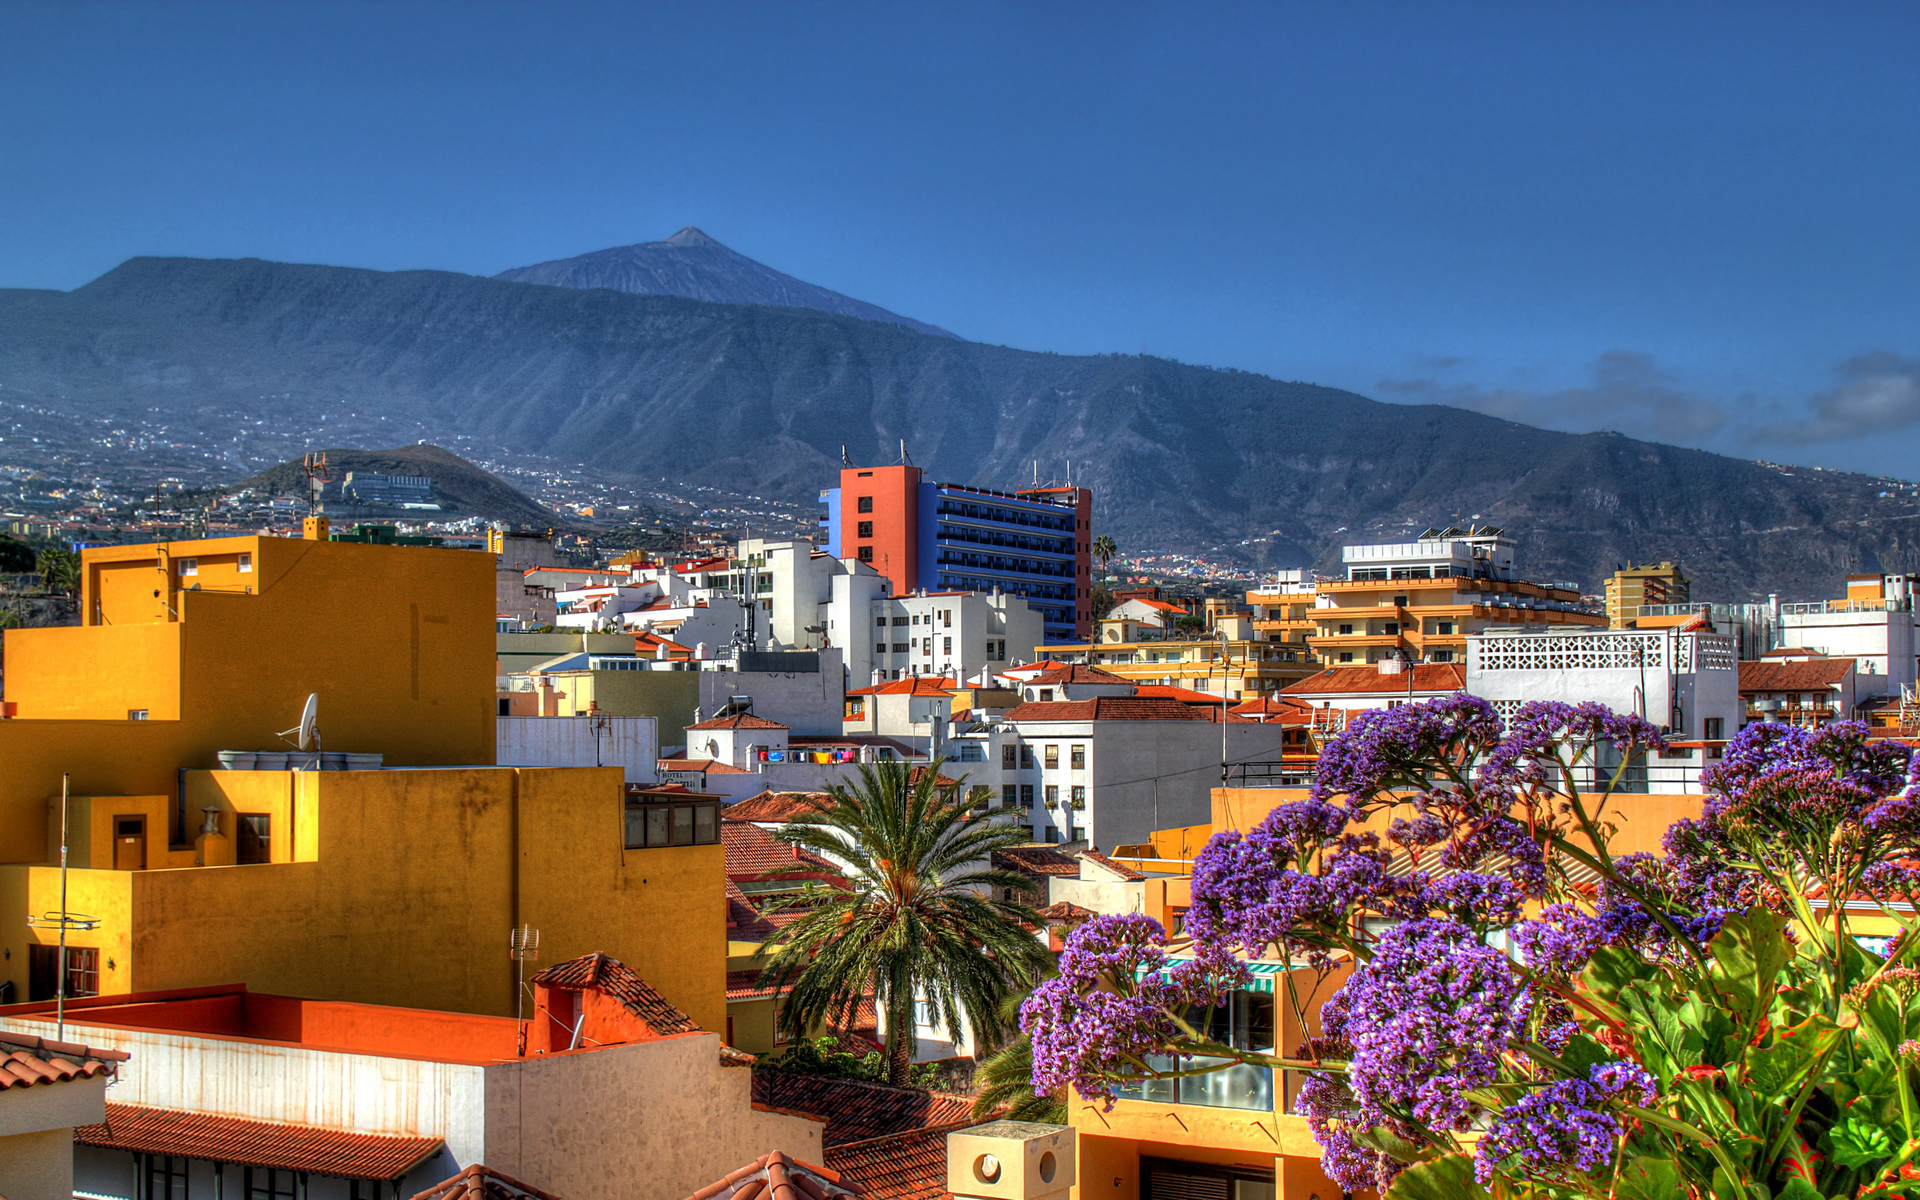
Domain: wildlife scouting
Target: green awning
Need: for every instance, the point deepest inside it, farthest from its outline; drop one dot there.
(1263, 974)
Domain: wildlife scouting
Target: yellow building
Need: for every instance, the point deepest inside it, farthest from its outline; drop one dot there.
(392, 886)
(1633, 587)
(1246, 667)
(1421, 599)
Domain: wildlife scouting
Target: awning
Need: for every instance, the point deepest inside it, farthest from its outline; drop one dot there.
(305, 1148)
(1263, 974)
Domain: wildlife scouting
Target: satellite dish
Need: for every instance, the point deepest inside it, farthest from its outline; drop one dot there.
(306, 734)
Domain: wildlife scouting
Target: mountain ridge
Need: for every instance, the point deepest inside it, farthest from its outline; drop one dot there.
(761, 399)
(694, 266)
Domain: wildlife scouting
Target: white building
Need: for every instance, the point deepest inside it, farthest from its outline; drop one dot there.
(595, 740)
(1875, 625)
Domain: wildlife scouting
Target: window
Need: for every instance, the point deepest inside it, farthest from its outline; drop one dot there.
(865, 529)
(899, 648)
(1390, 627)
(866, 554)
(946, 645)
(189, 566)
(899, 620)
(916, 618)
(1026, 795)
(1400, 601)
(863, 504)
(166, 1178)
(880, 621)
(1346, 629)
(1444, 628)
(1053, 795)
(1346, 656)
(1053, 835)
(255, 842)
(879, 647)
(1079, 758)
(1079, 795)
(1009, 795)
(43, 971)
(946, 618)
(1009, 754)
(1440, 656)
(1046, 695)
(265, 1183)
(1052, 757)
(1714, 728)
(651, 824)
(136, 714)
(244, 564)
(1026, 757)
(915, 643)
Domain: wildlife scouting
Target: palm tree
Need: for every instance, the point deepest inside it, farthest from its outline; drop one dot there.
(60, 570)
(918, 922)
(1104, 550)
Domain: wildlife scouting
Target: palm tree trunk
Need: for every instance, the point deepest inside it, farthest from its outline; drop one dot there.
(900, 1040)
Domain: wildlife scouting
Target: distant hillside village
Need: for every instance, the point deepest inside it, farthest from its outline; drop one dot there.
(471, 860)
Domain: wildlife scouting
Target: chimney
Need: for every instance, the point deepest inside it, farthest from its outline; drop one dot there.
(1010, 1160)
(1391, 665)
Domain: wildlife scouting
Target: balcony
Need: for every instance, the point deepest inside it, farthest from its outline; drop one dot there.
(1240, 1086)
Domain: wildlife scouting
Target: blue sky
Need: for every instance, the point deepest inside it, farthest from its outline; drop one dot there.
(1693, 222)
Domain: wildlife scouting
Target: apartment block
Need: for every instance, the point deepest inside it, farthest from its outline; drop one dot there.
(1632, 588)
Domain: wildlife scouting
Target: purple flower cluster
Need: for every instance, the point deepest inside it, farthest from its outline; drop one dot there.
(1565, 1126)
(1396, 748)
(1110, 1005)
(1843, 749)
(1546, 733)
(1428, 1019)
(1328, 1105)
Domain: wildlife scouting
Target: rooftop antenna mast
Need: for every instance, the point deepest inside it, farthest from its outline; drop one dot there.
(523, 943)
(63, 921)
(315, 465)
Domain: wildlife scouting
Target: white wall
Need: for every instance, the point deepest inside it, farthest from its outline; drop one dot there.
(1883, 642)
(632, 743)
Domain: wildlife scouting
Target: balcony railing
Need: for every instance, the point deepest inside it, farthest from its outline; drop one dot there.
(1240, 1086)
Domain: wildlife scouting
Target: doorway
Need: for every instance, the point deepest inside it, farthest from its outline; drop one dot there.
(129, 843)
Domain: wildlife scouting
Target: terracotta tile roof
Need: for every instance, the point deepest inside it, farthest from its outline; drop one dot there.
(32, 1061)
(706, 766)
(740, 721)
(1819, 675)
(1062, 912)
(1036, 860)
(1126, 873)
(913, 685)
(306, 1148)
(753, 852)
(480, 1182)
(616, 979)
(1427, 677)
(905, 1166)
(777, 1177)
(1268, 706)
(1108, 708)
(774, 807)
(744, 921)
(856, 1110)
(1077, 673)
(746, 985)
(1161, 691)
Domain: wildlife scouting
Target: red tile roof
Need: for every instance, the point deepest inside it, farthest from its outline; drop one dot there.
(777, 1177)
(705, 766)
(1819, 675)
(1269, 706)
(775, 807)
(306, 1148)
(1126, 873)
(855, 1109)
(740, 721)
(1036, 860)
(1161, 691)
(753, 852)
(1063, 912)
(32, 1061)
(914, 685)
(905, 1166)
(616, 979)
(1427, 677)
(1077, 673)
(1108, 708)
(746, 985)
(480, 1182)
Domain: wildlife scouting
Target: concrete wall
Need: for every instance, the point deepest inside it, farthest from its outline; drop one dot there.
(34, 1165)
(630, 743)
(666, 1119)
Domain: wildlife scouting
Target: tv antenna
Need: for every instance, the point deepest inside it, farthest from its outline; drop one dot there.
(315, 465)
(64, 921)
(523, 943)
(306, 735)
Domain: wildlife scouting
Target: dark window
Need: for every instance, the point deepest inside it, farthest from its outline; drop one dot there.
(899, 620)
(1009, 795)
(1346, 629)
(865, 529)
(43, 971)
(166, 1178)
(1443, 628)
(1346, 656)
(255, 843)
(1440, 655)
(899, 647)
(1053, 795)
(880, 621)
(264, 1183)
(1390, 627)
(651, 825)
(863, 504)
(879, 647)
(1026, 795)
(1008, 756)
(1715, 728)
(505, 705)
(866, 554)
(1400, 600)
(946, 645)
(1079, 759)
(1026, 758)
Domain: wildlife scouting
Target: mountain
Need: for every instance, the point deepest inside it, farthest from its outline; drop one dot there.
(694, 266)
(762, 400)
(461, 488)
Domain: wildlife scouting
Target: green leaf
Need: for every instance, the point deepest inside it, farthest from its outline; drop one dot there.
(1777, 1071)
(1446, 1178)
(1799, 1189)
(1608, 972)
(1857, 1143)
(1650, 1179)
(1748, 954)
